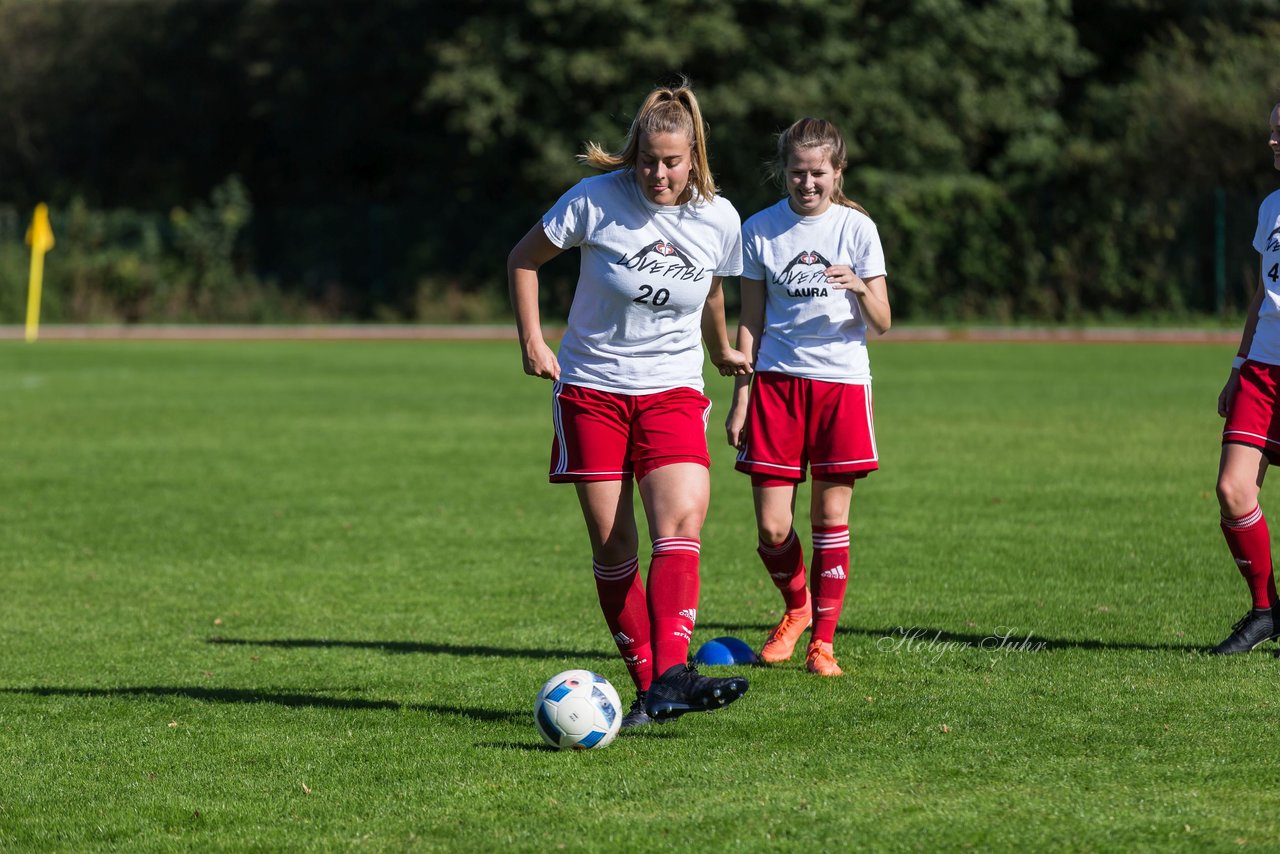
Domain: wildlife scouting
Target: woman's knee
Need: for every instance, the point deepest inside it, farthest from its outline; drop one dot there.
(774, 529)
(1236, 495)
(830, 506)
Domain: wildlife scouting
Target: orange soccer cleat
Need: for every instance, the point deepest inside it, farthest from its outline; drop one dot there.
(821, 661)
(782, 640)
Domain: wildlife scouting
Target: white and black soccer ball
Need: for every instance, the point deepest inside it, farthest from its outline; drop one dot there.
(578, 709)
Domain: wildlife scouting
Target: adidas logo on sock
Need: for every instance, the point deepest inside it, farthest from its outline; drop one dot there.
(690, 614)
(621, 638)
(835, 572)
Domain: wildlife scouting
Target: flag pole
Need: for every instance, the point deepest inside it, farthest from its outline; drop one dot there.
(40, 239)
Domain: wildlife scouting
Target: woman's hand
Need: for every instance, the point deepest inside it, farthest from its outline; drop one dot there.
(871, 294)
(1228, 392)
(731, 362)
(842, 277)
(734, 423)
(540, 361)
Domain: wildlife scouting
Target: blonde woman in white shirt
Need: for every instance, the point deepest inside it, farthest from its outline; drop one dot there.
(628, 403)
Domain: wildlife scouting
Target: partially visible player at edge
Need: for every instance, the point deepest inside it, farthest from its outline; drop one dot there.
(813, 282)
(627, 403)
(1251, 438)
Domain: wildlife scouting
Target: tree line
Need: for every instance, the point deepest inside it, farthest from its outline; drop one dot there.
(335, 159)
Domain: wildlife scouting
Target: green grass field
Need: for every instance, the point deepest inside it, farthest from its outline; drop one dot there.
(301, 595)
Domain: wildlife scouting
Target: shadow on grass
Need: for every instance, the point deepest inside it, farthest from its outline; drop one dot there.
(922, 636)
(527, 747)
(410, 647)
(647, 733)
(291, 699)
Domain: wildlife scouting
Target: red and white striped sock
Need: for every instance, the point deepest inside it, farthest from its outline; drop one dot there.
(829, 578)
(1250, 544)
(673, 599)
(626, 610)
(785, 563)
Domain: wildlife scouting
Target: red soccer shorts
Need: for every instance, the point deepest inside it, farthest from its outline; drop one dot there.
(605, 436)
(1253, 418)
(793, 423)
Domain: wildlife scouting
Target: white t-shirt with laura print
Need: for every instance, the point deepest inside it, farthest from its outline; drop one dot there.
(811, 330)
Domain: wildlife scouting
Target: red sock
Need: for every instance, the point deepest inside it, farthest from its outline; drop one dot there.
(626, 610)
(673, 599)
(830, 576)
(1250, 545)
(785, 562)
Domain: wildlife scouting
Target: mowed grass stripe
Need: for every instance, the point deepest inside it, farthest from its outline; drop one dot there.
(301, 594)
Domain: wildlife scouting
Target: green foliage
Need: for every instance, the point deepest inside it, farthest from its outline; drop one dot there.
(206, 236)
(957, 247)
(1107, 127)
(110, 266)
(128, 266)
(1223, 86)
(14, 260)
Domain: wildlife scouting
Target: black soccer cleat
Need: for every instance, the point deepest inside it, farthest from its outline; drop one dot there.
(1254, 629)
(636, 716)
(682, 689)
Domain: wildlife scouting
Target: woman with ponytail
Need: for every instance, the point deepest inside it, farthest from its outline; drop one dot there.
(813, 283)
(627, 401)
(1250, 401)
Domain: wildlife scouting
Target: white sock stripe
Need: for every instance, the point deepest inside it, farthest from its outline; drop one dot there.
(822, 542)
(1247, 520)
(667, 545)
(779, 548)
(617, 572)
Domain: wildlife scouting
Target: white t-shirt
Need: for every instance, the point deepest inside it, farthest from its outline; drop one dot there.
(635, 326)
(1266, 337)
(811, 330)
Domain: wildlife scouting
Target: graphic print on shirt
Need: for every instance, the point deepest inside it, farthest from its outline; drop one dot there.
(808, 281)
(663, 259)
(1273, 245)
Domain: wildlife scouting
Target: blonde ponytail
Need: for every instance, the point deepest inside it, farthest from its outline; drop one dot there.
(665, 110)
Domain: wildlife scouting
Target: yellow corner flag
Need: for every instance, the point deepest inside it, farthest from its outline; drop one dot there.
(40, 239)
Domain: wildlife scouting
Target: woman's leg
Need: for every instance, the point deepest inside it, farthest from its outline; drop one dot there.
(607, 508)
(675, 501)
(783, 556)
(779, 547)
(1240, 475)
(829, 516)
